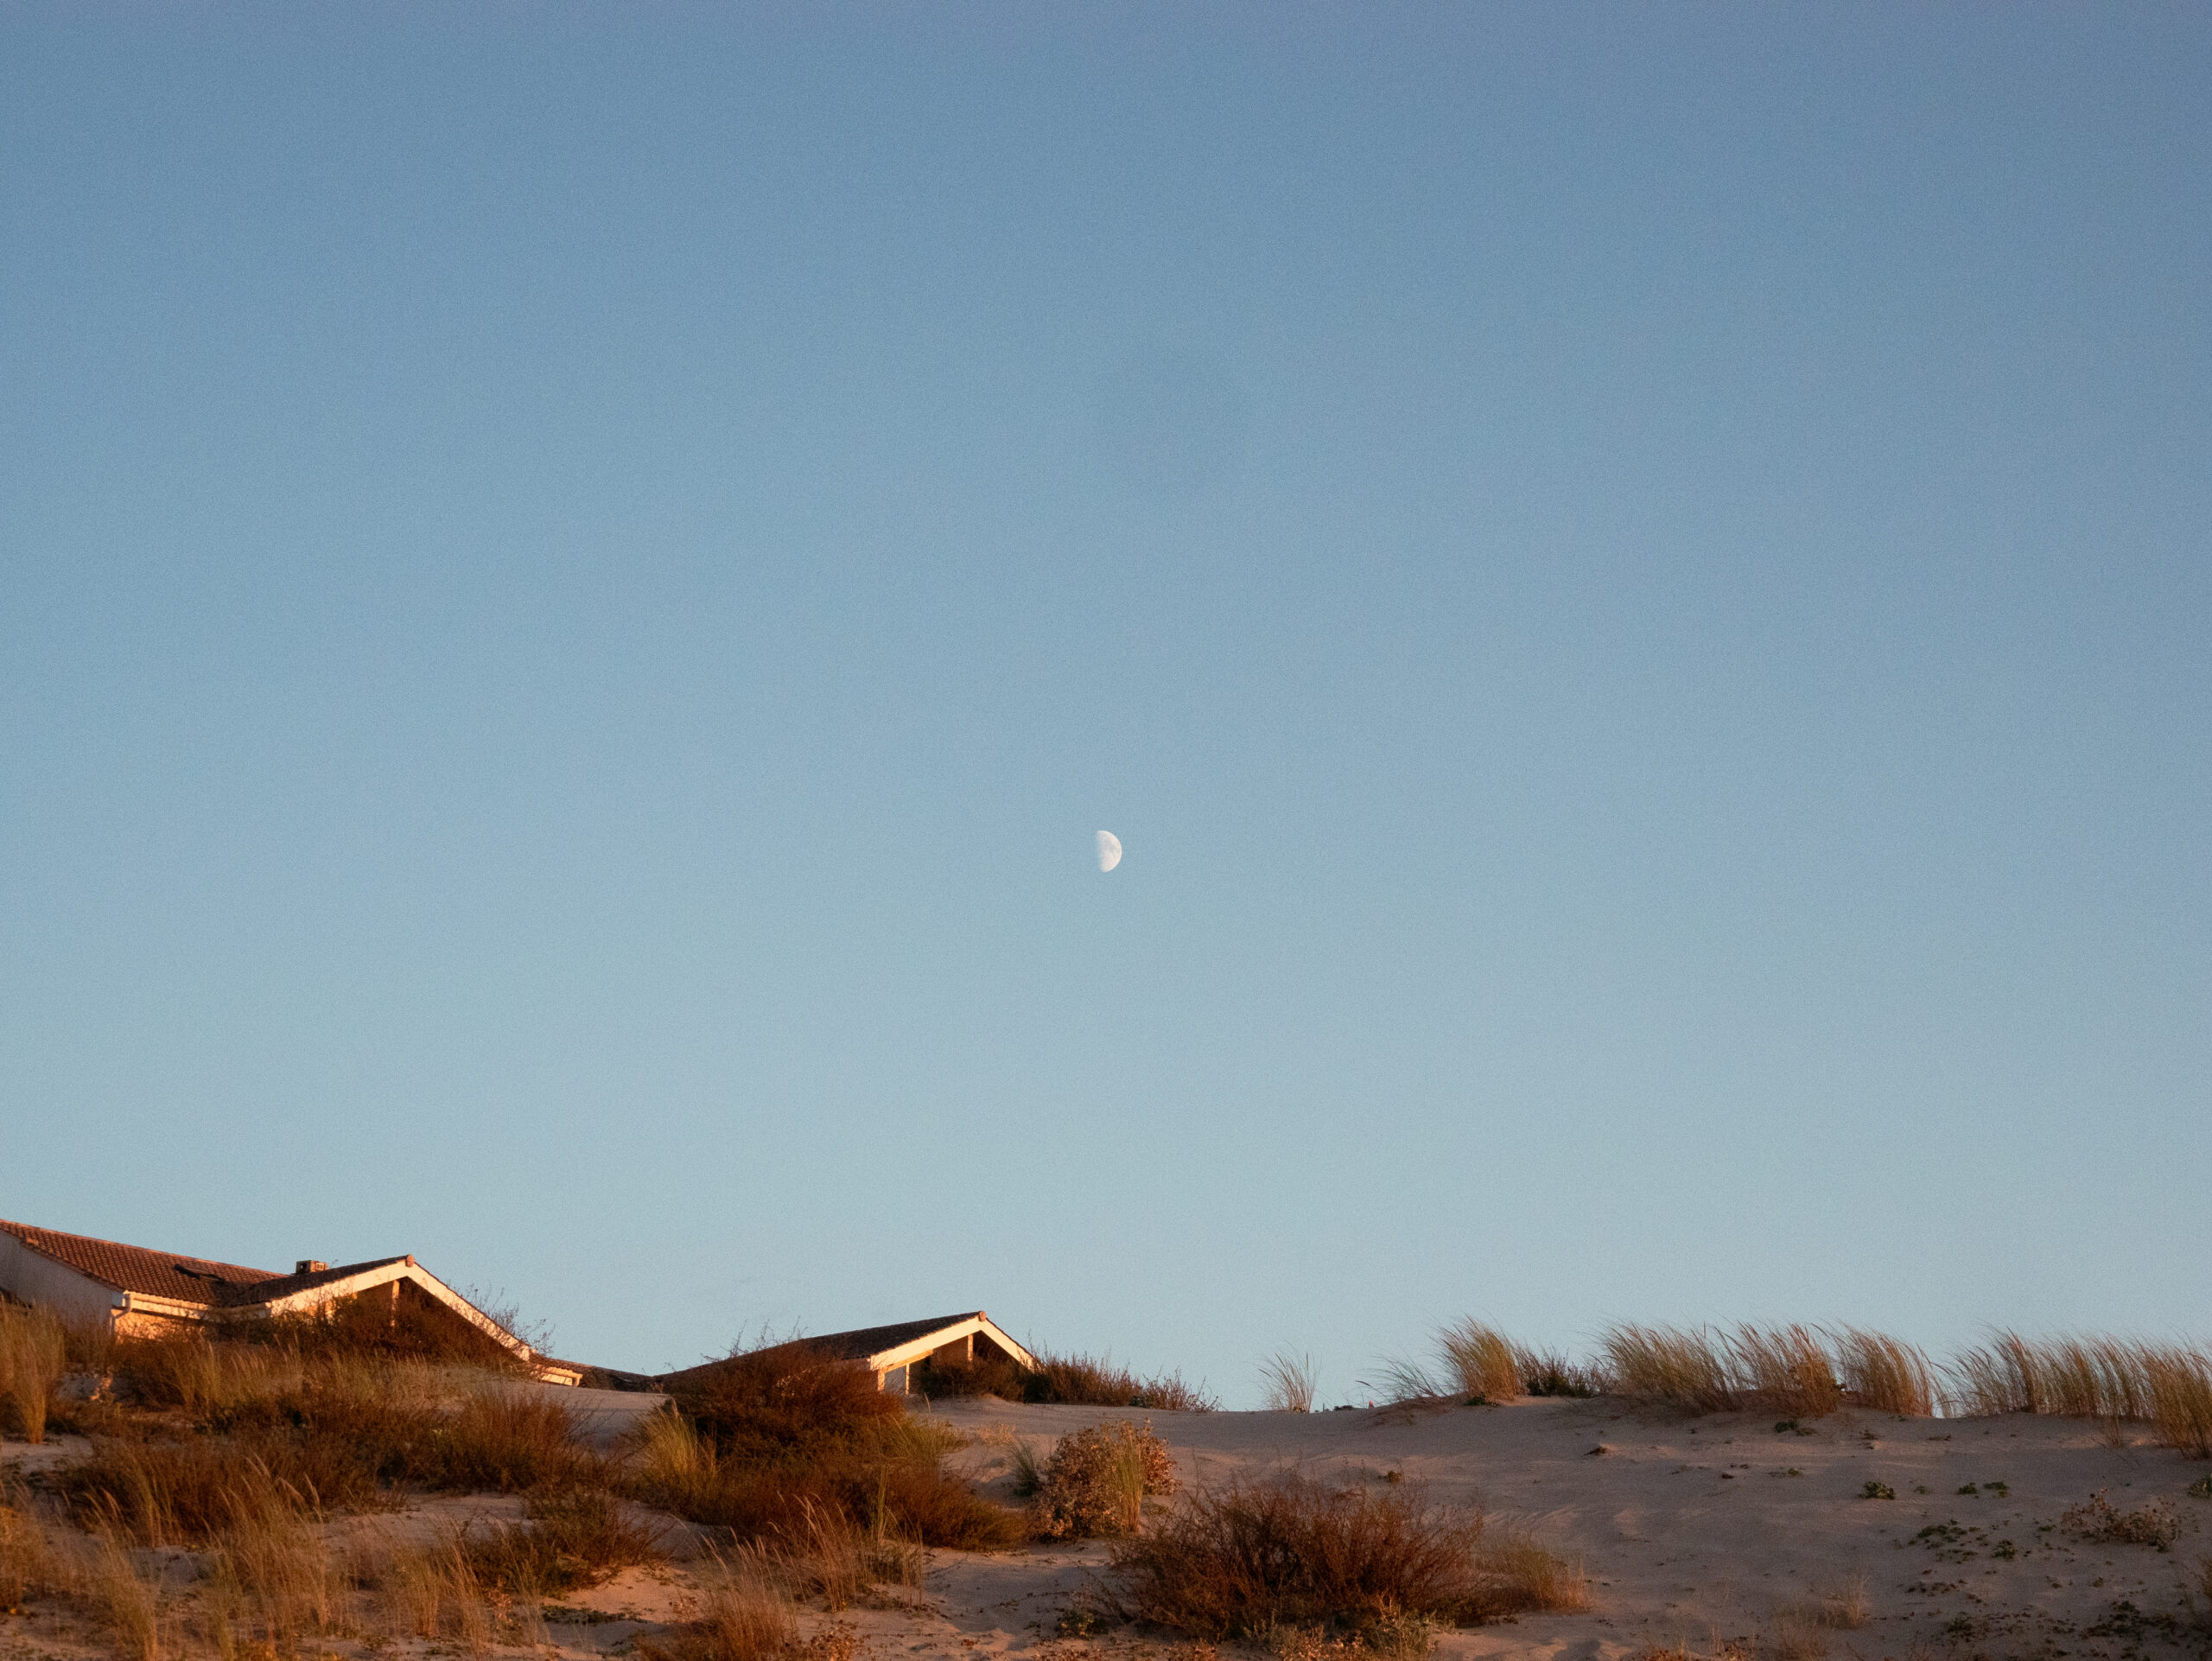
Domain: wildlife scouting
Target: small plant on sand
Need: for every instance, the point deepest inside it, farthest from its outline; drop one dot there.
(1288, 1382)
(1878, 1491)
(2096, 1519)
(1097, 1478)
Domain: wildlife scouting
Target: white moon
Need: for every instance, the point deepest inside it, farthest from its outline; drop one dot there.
(1110, 851)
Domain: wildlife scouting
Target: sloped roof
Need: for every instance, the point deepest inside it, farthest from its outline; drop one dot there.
(284, 1286)
(136, 1268)
(878, 1346)
(865, 1341)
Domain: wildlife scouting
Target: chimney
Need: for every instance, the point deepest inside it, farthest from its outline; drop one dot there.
(309, 1266)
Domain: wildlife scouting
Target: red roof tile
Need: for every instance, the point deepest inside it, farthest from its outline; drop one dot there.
(134, 1268)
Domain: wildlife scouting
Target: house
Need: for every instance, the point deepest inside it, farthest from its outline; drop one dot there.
(888, 1352)
(138, 1292)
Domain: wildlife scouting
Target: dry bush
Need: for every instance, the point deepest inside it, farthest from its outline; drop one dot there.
(744, 1615)
(573, 1539)
(1884, 1373)
(32, 1357)
(781, 1434)
(1291, 1554)
(2096, 1518)
(1687, 1369)
(1481, 1360)
(1288, 1383)
(1097, 1478)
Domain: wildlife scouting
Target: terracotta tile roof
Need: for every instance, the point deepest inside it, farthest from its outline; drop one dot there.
(134, 1268)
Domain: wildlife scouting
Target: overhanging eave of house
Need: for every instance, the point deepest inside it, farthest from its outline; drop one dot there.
(916, 1349)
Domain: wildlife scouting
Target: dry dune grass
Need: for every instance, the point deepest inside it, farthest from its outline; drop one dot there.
(745, 1615)
(2169, 1386)
(1483, 1360)
(33, 1355)
(1884, 1373)
(1795, 1370)
(1251, 1560)
(1288, 1383)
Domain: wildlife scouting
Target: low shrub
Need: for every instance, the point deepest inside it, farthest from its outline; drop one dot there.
(772, 1440)
(1254, 1559)
(1097, 1478)
(2096, 1519)
(1547, 1372)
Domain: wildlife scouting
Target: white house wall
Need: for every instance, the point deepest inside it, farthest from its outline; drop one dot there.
(34, 1277)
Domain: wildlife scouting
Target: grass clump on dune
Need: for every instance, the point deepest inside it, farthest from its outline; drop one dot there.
(33, 1355)
(1255, 1560)
(2168, 1386)
(1799, 1372)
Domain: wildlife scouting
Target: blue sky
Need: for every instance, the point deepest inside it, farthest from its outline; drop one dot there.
(576, 584)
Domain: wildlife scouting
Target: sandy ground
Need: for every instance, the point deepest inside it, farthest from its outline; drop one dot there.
(1709, 1531)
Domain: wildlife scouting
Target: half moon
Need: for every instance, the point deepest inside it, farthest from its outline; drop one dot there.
(1110, 851)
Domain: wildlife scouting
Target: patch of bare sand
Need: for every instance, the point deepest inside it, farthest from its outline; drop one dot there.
(1706, 1532)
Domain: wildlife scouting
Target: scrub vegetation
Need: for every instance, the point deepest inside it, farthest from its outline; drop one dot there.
(1253, 1561)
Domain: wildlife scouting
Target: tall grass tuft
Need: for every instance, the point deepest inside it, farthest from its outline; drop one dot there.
(2003, 1376)
(744, 1615)
(1482, 1360)
(1884, 1373)
(1251, 1560)
(1783, 1369)
(1685, 1368)
(1288, 1382)
(32, 1357)
(2094, 1377)
(2178, 1383)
